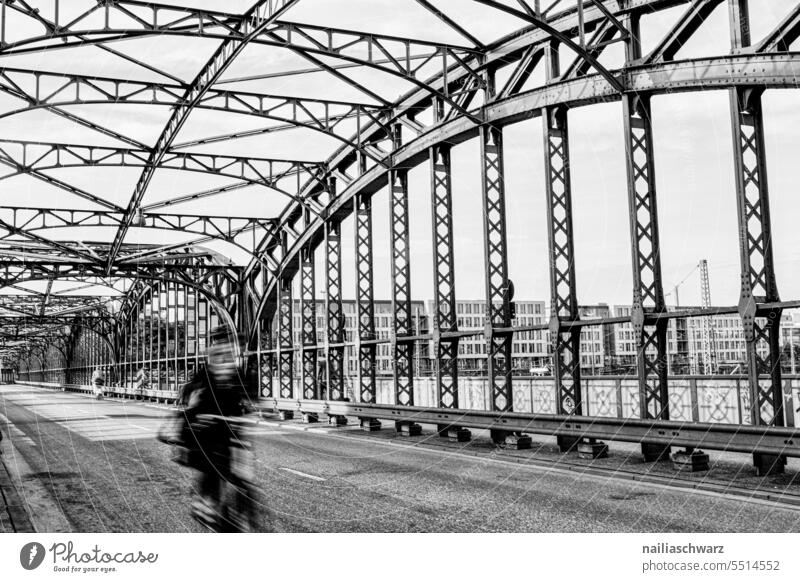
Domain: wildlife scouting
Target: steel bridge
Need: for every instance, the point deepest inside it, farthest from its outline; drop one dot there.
(105, 291)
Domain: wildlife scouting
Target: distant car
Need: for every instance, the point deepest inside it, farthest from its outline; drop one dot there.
(540, 371)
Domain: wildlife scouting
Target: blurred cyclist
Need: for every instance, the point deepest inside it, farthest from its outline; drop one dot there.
(217, 389)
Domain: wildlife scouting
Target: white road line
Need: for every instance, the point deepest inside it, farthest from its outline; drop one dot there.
(314, 477)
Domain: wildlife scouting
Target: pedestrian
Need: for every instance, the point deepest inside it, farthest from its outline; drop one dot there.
(98, 382)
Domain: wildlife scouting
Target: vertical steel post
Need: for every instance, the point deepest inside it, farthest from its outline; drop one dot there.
(267, 359)
(566, 340)
(445, 349)
(758, 285)
(285, 344)
(364, 291)
(334, 311)
(648, 293)
(157, 306)
(401, 290)
(498, 290)
(308, 314)
(563, 295)
(175, 335)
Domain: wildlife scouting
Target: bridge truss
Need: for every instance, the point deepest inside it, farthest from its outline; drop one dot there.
(278, 276)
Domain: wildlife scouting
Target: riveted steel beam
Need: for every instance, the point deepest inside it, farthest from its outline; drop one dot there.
(365, 299)
(758, 284)
(563, 294)
(266, 360)
(285, 340)
(308, 332)
(254, 21)
(444, 297)
(402, 319)
(498, 288)
(26, 156)
(334, 310)
(648, 294)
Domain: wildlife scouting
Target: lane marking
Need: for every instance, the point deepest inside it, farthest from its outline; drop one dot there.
(314, 477)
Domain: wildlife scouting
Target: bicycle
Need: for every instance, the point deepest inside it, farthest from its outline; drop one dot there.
(235, 510)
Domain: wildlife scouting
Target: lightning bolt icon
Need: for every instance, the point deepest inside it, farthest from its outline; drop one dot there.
(34, 551)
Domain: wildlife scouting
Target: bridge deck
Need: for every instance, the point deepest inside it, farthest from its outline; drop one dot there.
(87, 465)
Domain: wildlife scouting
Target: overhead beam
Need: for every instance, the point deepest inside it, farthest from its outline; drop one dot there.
(254, 22)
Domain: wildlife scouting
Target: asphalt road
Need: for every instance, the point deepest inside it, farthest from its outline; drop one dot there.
(95, 466)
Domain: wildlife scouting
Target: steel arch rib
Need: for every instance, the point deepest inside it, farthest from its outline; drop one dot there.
(253, 23)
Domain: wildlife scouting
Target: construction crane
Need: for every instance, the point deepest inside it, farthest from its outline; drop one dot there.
(708, 334)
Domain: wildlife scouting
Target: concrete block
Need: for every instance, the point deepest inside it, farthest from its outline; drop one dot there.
(592, 449)
(690, 460)
(567, 444)
(459, 434)
(652, 453)
(518, 441)
(765, 464)
(370, 424)
(408, 429)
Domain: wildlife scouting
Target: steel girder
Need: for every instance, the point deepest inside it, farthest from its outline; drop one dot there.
(563, 295)
(225, 228)
(445, 322)
(253, 22)
(53, 91)
(308, 332)
(402, 317)
(285, 340)
(648, 293)
(758, 284)
(27, 156)
(299, 235)
(498, 285)
(778, 70)
(364, 300)
(336, 323)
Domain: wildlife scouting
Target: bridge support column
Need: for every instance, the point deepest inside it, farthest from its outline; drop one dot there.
(758, 286)
(267, 360)
(365, 307)
(648, 295)
(498, 286)
(308, 335)
(563, 294)
(285, 347)
(402, 348)
(334, 368)
(444, 298)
